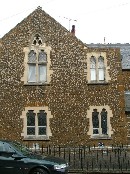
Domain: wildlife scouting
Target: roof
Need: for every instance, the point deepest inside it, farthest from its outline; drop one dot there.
(124, 50)
(38, 16)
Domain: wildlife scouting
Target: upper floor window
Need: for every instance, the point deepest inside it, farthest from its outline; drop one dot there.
(127, 101)
(37, 66)
(37, 62)
(97, 69)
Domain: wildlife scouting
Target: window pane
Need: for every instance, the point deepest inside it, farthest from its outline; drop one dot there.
(30, 130)
(42, 73)
(42, 57)
(95, 119)
(101, 74)
(42, 131)
(95, 131)
(92, 62)
(30, 118)
(101, 62)
(42, 118)
(104, 121)
(32, 56)
(93, 74)
(93, 68)
(32, 73)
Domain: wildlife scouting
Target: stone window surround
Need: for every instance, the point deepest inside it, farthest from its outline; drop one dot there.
(36, 110)
(97, 55)
(26, 50)
(109, 115)
(128, 129)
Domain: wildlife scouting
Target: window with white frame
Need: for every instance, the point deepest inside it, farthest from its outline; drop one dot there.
(37, 62)
(97, 69)
(37, 66)
(36, 123)
(99, 121)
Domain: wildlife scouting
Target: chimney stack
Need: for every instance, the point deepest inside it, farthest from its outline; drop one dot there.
(73, 30)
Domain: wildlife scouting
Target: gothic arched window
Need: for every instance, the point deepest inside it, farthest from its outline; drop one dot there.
(101, 73)
(93, 68)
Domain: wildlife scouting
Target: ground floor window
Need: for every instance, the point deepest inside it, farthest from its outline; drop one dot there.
(36, 123)
(99, 121)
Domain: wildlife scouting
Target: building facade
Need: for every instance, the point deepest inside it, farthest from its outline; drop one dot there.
(57, 90)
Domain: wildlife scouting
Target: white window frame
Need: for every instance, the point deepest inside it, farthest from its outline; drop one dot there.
(109, 115)
(37, 48)
(105, 68)
(37, 64)
(36, 111)
(95, 67)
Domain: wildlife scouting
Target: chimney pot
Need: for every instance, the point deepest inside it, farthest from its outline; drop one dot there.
(73, 29)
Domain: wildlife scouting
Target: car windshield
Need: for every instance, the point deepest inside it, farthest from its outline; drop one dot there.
(20, 147)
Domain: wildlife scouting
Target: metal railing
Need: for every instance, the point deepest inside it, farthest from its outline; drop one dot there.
(91, 159)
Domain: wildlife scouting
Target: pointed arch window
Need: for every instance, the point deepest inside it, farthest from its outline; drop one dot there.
(37, 62)
(97, 69)
(99, 122)
(32, 66)
(101, 73)
(37, 66)
(93, 68)
(36, 123)
(42, 66)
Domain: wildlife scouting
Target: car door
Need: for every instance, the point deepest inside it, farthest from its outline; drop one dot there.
(8, 164)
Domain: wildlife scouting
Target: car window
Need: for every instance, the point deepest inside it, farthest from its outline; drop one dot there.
(4, 147)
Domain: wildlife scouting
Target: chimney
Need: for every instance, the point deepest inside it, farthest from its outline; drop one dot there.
(73, 30)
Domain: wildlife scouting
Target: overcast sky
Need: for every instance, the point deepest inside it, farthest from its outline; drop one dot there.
(94, 19)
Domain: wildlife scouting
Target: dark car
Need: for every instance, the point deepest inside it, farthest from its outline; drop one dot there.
(16, 158)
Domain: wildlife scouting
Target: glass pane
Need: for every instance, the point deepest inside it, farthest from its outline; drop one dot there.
(42, 57)
(30, 118)
(92, 62)
(30, 130)
(100, 62)
(42, 131)
(32, 73)
(95, 131)
(95, 119)
(93, 74)
(42, 118)
(104, 121)
(101, 74)
(42, 73)
(32, 56)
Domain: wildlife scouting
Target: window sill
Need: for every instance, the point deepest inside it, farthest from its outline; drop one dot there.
(33, 138)
(103, 137)
(97, 83)
(37, 84)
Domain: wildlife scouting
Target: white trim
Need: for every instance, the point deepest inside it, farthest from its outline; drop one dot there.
(36, 110)
(99, 109)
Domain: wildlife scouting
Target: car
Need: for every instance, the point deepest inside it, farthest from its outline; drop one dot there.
(15, 158)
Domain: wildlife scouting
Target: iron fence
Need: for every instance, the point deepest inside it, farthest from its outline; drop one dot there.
(112, 159)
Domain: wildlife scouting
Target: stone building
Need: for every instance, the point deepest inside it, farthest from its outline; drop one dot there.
(55, 89)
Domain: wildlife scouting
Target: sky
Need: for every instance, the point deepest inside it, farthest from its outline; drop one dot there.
(96, 21)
